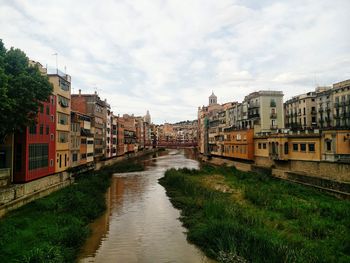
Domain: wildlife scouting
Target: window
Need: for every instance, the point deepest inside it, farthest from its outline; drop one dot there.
(41, 129)
(47, 130)
(295, 147)
(75, 157)
(83, 156)
(303, 147)
(32, 129)
(64, 85)
(329, 145)
(62, 118)
(52, 137)
(62, 137)
(272, 103)
(264, 145)
(83, 141)
(64, 102)
(90, 154)
(47, 110)
(51, 162)
(286, 148)
(38, 156)
(52, 118)
(90, 142)
(311, 147)
(259, 145)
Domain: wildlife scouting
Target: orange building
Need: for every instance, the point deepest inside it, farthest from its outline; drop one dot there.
(239, 144)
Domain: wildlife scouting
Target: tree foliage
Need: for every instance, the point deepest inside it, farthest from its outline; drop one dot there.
(22, 90)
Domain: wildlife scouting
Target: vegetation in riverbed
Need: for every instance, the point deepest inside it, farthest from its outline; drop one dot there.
(238, 216)
(53, 228)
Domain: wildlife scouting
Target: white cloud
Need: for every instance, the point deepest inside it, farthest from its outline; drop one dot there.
(167, 56)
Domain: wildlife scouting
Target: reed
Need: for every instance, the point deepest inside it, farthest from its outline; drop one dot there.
(270, 221)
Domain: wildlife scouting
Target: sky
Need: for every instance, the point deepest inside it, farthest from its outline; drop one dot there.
(168, 56)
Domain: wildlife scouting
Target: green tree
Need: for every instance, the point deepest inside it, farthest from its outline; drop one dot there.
(22, 90)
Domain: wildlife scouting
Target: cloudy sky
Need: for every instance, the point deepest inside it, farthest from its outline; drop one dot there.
(168, 56)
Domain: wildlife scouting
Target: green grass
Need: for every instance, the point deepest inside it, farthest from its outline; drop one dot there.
(53, 228)
(267, 221)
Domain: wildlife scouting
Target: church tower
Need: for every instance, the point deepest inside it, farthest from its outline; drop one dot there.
(213, 100)
(147, 118)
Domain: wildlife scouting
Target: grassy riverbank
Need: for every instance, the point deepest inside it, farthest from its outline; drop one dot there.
(53, 228)
(234, 215)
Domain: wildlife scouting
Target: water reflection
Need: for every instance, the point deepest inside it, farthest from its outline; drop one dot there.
(140, 224)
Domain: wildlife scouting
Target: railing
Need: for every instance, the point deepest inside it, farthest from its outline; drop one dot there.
(255, 115)
(273, 115)
(273, 127)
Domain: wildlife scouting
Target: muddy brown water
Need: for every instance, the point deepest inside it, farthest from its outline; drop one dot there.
(140, 224)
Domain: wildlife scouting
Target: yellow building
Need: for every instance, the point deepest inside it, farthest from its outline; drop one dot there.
(327, 145)
(62, 90)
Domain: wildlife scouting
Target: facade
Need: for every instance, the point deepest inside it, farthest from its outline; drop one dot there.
(324, 106)
(341, 102)
(86, 134)
(300, 112)
(130, 139)
(35, 147)
(239, 144)
(91, 104)
(62, 90)
(114, 135)
(108, 132)
(120, 136)
(75, 140)
(264, 111)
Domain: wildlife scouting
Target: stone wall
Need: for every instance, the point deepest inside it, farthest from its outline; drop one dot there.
(328, 176)
(17, 195)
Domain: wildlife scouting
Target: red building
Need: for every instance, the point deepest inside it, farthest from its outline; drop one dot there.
(34, 148)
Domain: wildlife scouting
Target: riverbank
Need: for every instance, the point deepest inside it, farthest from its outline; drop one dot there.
(53, 228)
(235, 216)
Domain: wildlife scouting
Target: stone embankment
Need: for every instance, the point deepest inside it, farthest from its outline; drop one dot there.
(330, 177)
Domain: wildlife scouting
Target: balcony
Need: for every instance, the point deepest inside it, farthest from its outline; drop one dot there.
(273, 115)
(273, 127)
(254, 115)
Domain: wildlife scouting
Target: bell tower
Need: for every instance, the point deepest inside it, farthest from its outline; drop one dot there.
(213, 100)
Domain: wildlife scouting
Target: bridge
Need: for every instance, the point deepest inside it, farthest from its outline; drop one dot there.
(173, 144)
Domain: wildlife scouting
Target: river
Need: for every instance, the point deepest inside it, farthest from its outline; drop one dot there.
(140, 224)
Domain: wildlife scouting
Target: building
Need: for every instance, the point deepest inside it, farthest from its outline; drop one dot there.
(239, 144)
(114, 135)
(300, 111)
(108, 132)
(264, 111)
(324, 106)
(75, 139)
(92, 105)
(35, 146)
(120, 136)
(130, 139)
(310, 146)
(341, 102)
(62, 90)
